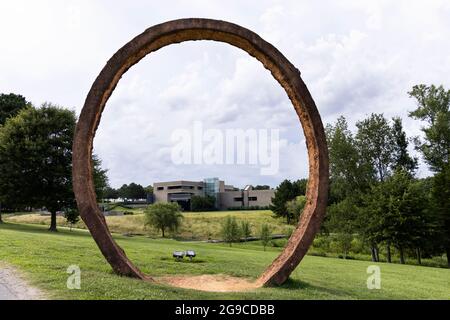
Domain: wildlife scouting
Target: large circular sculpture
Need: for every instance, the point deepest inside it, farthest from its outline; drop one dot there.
(282, 70)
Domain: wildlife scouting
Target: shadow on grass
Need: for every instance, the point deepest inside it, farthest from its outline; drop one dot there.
(43, 229)
(295, 284)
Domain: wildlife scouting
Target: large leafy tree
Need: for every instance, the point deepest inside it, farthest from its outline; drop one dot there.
(399, 207)
(10, 105)
(36, 160)
(434, 109)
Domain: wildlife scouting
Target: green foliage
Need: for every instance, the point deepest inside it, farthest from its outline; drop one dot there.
(206, 203)
(230, 230)
(375, 143)
(295, 207)
(349, 173)
(163, 216)
(285, 192)
(266, 235)
(132, 191)
(10, 105)
(110, 193)
(100, 178)
(434, 109)
(36, 158)
(246, 229)
(72, 216)
(401, 158)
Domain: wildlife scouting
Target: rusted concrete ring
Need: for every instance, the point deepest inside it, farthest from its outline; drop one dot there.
(282, 70)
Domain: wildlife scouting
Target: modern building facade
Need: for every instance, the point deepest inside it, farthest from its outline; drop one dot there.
(226, 196)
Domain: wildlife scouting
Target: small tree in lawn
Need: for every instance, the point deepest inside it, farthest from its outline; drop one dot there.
(246, 229)
(72, 216)
(163, 216)
(230, 230)
(265, 235)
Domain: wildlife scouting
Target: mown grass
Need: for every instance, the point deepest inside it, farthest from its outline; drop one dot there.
(195, 226)
(45, 257)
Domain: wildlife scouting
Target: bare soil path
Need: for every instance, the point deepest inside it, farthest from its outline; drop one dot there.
(213, 283)
(14, 287)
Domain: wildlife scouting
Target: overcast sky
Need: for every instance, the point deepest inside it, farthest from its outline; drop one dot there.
(356, 57)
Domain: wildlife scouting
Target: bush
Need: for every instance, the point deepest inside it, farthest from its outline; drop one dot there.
(265, 235)
(230, 230)
(246, 230)
(163, 216)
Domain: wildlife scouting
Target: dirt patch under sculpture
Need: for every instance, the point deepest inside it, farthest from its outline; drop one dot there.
(213, 283)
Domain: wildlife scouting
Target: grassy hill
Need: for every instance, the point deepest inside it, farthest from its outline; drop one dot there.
(45, 257)
(195, 226)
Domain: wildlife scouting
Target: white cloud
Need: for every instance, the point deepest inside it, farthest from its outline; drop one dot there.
(356, 58)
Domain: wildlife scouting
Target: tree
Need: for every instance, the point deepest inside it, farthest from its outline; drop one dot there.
(284, 193)
(72, 216)
(350, 175)
(375, 143)
(206, 203)
(266, 235)
(10, 105)
(111, 193)
(399, 207)
(36, 159)
(401, 158)
(100, 178)
(132, 191)
(434, 109)
(230, 230)
(295, 207)
(246, 230)
(163, 216)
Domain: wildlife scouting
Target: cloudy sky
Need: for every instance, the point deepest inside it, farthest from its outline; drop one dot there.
(356, 57)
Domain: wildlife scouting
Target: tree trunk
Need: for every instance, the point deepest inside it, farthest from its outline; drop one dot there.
(402, 255)
(419, 258)
(1, 220)
(162, 229)
(448, 256)
(388, 253)
(53, 222)
(377, 254)
(374, 257)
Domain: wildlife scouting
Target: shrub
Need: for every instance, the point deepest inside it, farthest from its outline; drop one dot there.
(265, 235)
(163, 216)
(230, 230)
(246, 229)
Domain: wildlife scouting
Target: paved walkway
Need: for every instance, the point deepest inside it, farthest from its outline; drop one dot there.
(13, 287)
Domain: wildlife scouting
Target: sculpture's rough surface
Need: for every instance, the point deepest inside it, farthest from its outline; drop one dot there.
(282, 70)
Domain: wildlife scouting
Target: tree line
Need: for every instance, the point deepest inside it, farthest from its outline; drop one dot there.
(375, 193)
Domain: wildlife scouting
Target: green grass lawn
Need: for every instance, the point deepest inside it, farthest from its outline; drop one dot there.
(44, 257)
